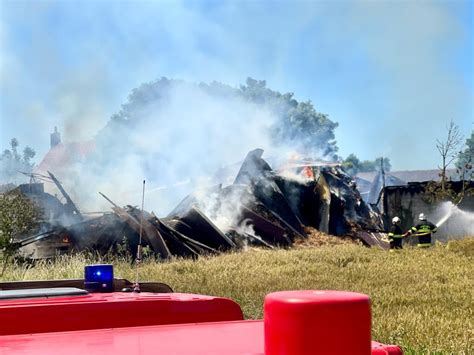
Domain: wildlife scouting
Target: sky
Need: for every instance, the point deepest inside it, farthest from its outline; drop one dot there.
(391, 73)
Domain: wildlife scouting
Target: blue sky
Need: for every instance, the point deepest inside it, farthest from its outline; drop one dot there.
(391, 73)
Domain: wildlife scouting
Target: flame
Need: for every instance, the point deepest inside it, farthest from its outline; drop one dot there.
(308, 172)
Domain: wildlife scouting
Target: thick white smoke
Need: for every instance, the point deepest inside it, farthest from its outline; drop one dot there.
(176, 144)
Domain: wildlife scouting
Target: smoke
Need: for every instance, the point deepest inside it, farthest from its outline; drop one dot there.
(79, 100)
(375, 65)
(224, 209)
(176, 141)
(292, 175)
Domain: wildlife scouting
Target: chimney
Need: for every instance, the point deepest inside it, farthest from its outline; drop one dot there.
(55, 138)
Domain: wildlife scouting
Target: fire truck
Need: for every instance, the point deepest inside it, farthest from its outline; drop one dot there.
(104, 315)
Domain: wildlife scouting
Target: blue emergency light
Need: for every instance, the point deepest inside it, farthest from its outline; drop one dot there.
(99, 278)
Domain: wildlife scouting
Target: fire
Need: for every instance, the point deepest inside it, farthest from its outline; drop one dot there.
(308, 172)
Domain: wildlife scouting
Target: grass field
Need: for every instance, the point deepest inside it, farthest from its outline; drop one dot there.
(421, 299)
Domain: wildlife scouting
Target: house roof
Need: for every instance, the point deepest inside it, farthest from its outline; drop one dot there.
(411, 175)
(65, 154)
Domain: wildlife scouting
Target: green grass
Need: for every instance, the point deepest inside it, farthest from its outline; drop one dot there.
(421, 299)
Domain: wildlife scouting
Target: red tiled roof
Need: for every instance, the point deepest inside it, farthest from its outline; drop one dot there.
(65, 154)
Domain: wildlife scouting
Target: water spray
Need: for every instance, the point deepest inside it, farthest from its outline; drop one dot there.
(454, 209)
(446, 217)
(450, 212)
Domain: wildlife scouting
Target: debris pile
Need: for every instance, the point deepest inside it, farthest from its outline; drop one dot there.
(316, 238)
(263, 207)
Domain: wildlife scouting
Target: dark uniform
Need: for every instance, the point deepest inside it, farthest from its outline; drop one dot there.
(424, 230)
(395, 237)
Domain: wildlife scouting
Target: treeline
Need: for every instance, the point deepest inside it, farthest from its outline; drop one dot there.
(13, 161)
(298, 124)
(465, 161)
(353, 165)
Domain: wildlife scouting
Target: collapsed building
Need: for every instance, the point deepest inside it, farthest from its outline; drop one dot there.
(262, 206)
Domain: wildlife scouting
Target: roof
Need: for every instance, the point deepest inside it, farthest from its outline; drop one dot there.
(411, 175)
(65, 154)
(456, 186)
(378, 183)
(363, 186)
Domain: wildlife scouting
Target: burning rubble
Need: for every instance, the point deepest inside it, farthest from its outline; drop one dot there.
(263, 207)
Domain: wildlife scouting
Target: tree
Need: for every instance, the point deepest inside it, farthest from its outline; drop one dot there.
(465, 164)
(353, 165)
(448, 150)
(28, 154)
(465, 161)
(297, 124)
(446, 190)
(385, 162)
(11, 161)
(18, 216)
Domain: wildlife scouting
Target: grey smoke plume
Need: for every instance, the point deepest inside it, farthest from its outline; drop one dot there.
(381, 68)
(176, 135)
(176, 142)
(397, 54)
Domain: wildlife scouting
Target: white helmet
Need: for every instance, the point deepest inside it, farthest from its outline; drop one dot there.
(395, 220)
(422, 217)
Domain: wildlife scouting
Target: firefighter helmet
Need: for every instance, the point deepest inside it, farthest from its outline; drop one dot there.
(396, 220)
(422, 217)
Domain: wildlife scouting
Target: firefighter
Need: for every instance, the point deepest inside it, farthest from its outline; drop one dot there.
(424, 231)
(395, 235)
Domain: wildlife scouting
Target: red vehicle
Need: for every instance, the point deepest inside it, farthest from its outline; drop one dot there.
(60, 317)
